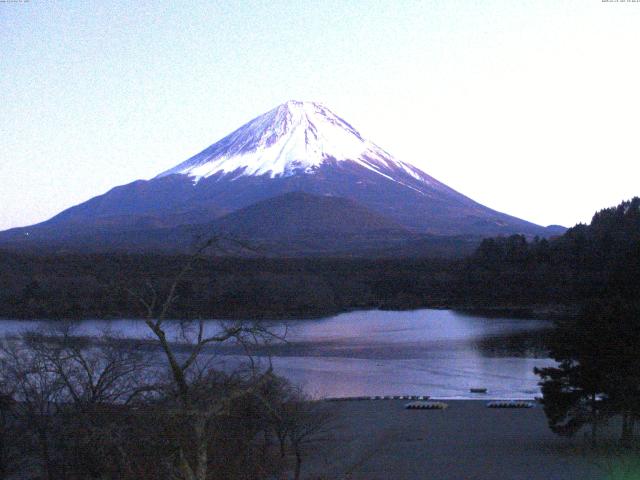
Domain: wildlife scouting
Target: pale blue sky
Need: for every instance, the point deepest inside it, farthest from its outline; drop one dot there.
(528, 106)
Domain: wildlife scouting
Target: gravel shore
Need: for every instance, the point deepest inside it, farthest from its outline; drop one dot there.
(380, 439)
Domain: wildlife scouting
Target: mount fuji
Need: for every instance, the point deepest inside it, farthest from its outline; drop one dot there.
(298, 147)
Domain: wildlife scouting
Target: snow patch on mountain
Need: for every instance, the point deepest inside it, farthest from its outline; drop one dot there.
(295, 137)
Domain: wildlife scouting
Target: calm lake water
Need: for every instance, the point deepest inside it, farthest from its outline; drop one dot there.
(442, 353)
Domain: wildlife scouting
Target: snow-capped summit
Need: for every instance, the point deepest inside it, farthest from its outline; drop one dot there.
(295, 137)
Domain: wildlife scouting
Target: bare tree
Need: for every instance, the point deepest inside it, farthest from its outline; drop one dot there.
(9, 433)
(99, 370)
(71, 395)
(198, 399)
(99, 377)
(296, 419)
(38, 395)
(307, 422)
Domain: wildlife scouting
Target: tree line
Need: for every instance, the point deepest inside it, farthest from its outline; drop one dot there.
(568, 270)
(75, 286)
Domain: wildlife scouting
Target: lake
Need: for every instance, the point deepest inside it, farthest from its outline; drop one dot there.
(441, 353)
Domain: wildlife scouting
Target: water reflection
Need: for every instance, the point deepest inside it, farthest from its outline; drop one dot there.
(441, 353)
(528, 344)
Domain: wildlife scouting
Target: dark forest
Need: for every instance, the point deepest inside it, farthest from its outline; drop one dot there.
(504, 273)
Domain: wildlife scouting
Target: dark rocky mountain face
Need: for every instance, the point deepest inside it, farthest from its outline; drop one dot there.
(299, 213)
(294, 224)
(297, 147)
(298, 224)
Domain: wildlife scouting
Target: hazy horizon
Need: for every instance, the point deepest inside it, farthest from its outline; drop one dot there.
(527, 108)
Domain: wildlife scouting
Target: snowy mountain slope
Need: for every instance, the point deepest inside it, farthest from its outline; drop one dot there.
(295, 137)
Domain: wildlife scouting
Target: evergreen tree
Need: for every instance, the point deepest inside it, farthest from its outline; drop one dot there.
(599, 359)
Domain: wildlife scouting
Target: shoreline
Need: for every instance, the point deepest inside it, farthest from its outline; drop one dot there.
(427, 398)
(525, 312)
